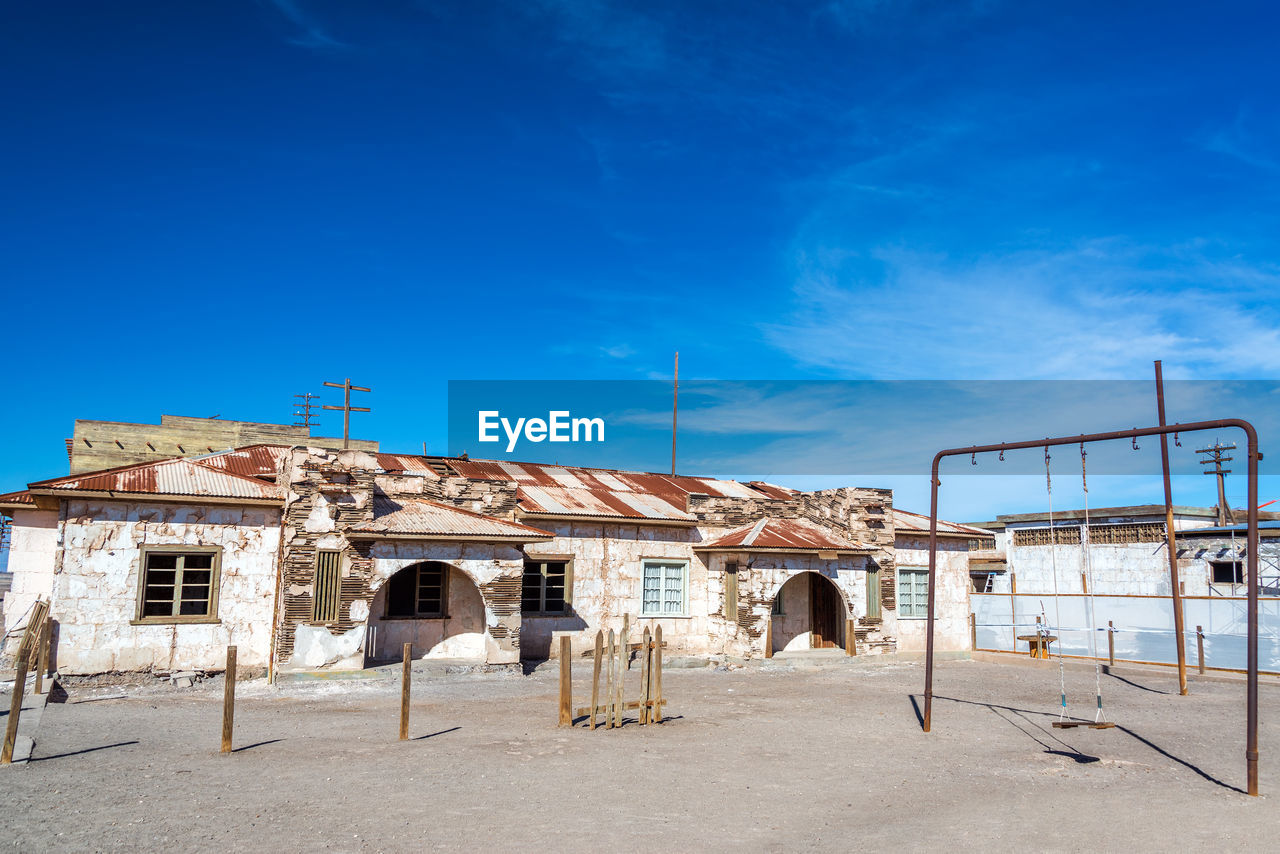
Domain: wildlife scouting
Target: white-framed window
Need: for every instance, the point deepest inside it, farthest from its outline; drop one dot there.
(666, 586)
(913, 592)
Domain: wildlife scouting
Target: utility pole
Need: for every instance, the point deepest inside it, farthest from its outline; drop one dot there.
(1171, 542)
(675, 405)
(302, 411)
(1216, 459)
(347, 408)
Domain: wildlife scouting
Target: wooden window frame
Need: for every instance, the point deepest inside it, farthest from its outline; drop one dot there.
(684, 591)
(911, 602)
(319, 617)
(543, 560)
(215, 582)
(445, 571)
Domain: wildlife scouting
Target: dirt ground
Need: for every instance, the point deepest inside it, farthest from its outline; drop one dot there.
(757, 759)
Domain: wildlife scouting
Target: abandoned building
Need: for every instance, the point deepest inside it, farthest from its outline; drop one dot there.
(310, 558)
(1126, 551)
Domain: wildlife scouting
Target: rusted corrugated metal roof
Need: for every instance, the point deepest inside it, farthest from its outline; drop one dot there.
(575, 491)
(789, 535)
(426, 519)
(904, 520)
(249, 461)
(22, 498)
(177, 476)
(407, 463)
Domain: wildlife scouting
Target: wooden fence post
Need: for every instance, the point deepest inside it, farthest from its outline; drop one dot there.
(15, 709)
(406, 680)
(768, 639)
(1200, 647)
(595, 677)
(624, 663)
(566, 681)
(850, 637)
(229, 700)
(1111, 643)
(656, 677)
(973, 631)
(611, 665)
(42, 662)
(646, 653)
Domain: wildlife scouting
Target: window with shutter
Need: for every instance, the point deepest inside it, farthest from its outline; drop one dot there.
(665, 586)
(327, 591)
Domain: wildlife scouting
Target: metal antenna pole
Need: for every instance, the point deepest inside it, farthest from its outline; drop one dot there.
(1171, 540)
(347, 408)
(675, 405)
(303, 411)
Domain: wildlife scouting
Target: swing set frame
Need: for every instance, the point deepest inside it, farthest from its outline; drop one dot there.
(1251, 435)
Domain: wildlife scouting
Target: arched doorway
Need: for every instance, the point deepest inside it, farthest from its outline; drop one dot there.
(808, 613)
(432, 605)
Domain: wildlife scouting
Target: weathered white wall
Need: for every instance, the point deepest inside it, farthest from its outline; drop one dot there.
(32, 552)
(96, 590)
(951, 595)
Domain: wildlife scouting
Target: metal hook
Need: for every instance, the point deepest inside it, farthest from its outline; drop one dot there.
(973, 459)
(1135, 444)
(1002, 455)
(1083, 452)
(1177, 443)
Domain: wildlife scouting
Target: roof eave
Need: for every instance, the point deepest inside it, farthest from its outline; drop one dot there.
(611, 520)
(168, 498)
(448, 538)
(774, 550)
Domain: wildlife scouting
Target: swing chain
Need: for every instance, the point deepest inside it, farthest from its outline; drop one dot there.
(1048, 484)
(1084, 477)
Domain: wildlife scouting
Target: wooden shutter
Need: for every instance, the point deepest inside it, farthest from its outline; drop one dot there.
(873, 591)
(731, 592)
(328, 587)
(568, 586)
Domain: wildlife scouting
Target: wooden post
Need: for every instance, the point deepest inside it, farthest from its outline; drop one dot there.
(1200, 647)
(612, 658)
(655, 677)
(595, 678)
(850, 637)
(626, 634)
(768, 639)
(1111, 643)
(645, 651)
(566, 681)
(406, 679)
(229, 700)
(1084, 583)
(15, 709)
(42, 662)
(973, 631)
(624, 654)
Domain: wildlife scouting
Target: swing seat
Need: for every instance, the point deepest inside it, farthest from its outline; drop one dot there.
(1067, 724)
(1103, 725)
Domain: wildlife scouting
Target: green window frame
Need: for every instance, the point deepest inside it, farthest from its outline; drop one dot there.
(665, 588)
(178, 584)
(913, 592)
(546, 588)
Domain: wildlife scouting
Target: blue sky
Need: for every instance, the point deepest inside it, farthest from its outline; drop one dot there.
(211, 207)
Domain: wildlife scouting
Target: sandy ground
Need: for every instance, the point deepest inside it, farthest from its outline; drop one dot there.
(758, 759)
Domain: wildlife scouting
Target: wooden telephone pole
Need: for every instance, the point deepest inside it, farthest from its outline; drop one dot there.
(1216, 459)
(347, 408)
(302, 410)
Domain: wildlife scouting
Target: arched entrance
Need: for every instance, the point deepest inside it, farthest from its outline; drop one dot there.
(432, 605)
(808, 613)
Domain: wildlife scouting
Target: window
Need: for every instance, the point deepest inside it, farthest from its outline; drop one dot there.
(1227, 571)
(178, 586)
(664, 588)
(777, 610)
(980, 544)
(913, 592)
(327, 591)
(983, 582)
(547, 587)
(873, 591)
(1062, 535)
(417, 591)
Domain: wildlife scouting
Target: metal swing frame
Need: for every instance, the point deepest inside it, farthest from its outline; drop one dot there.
(1251, 545)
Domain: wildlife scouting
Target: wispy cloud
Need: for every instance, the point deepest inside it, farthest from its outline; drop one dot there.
(310, 33)
(1239, 141)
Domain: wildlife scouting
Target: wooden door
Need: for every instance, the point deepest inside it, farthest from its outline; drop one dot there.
(824, 613)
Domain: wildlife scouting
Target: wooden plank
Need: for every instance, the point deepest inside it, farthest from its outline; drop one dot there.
(608, 684)
(1200, 648)
(1111, 643)
(42, 662)
(623, 663)
(851, 637)
(566, 682)
(644, 675)
(595, 677)
(406, 680)
(656, 677)
(229, 700)
(15, 710)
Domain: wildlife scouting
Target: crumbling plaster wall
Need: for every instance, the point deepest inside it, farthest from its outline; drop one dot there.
(98, 573)
(33, 550)
(329, 493)
(951, 595)
(1195, 555)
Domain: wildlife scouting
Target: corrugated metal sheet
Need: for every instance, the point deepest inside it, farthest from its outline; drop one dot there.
(904, 520)
(250, 461)
(166, 477)
(407, 463)
(431, 518)
(22, 497)
(784, 535)
(569, 490)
